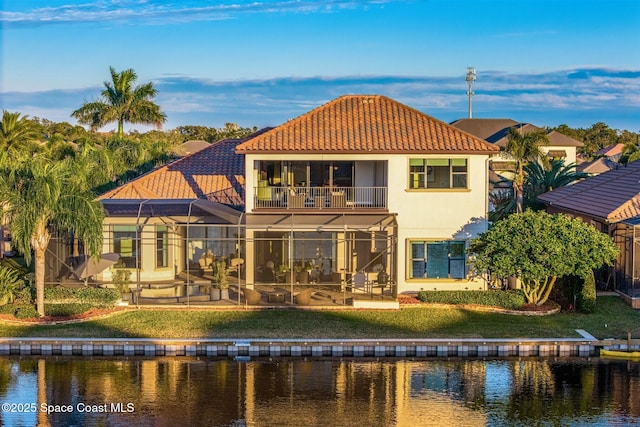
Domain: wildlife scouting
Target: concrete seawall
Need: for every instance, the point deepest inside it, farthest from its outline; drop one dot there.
(416, 348)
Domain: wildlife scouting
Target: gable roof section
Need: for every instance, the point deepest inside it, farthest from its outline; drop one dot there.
(611, 150)
(215, 173)
(484, 128)
(366, 124)
(496, 131)
(613, 196)
(603, 164)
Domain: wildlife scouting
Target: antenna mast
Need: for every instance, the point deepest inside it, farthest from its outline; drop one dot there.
(471, 77)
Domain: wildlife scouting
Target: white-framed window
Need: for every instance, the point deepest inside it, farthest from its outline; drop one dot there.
(437, 259)
(126, 242)
(438, 173)
(162, 246)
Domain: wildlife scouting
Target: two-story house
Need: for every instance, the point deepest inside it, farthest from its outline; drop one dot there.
(362, 190)
(365, 182)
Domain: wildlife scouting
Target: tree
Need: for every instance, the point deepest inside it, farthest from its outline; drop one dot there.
(598, 136)
(538, 248)
(16, 130)
(37, 196)
(524, 148)
(121, 102)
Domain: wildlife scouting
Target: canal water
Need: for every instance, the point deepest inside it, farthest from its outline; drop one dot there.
(215, 392)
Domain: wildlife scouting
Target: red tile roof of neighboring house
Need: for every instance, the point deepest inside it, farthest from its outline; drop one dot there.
(611, 150)
(613, 196)
(366, 124)
(215, 173)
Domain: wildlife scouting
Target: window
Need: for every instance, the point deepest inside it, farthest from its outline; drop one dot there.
(126, 243)
(162, 246)
(437, 260)
(437, 173)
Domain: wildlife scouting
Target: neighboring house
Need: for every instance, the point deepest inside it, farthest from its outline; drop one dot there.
(496, 131)
(190, 147)
(611, 203)
(597, 166)
(359, 186)
(612, 152)
(163, 222)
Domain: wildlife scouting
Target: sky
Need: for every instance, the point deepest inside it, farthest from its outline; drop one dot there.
(261, 63)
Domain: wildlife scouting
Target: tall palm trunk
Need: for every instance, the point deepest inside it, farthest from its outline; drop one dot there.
(518, 188)
(39, 242)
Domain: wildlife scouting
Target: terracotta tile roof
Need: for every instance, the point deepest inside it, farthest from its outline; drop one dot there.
(366, 124)
(215, 173)
(613, 196)
(611, 150)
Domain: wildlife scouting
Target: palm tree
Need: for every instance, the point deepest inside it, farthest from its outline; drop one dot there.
(121, 102)
(540, 179)
(16, 130)
(524, 148)
(37, 196)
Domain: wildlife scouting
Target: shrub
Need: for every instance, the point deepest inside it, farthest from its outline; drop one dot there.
(95, 297)
(512, 299)
(10, 285)
(121, 279)
(59, 294)
(64, 310)
(577, 291)
(98, 297)
(25, 311)
(587, 295)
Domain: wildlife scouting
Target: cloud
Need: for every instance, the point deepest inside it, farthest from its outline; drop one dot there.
(545, 99)
(140, 12)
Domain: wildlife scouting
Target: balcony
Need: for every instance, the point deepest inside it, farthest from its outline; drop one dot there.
(317, 198)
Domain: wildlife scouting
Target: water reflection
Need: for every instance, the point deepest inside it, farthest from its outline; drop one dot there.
(338, 393)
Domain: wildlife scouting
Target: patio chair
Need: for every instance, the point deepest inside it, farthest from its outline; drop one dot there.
(304, 297)
(338, 199)
(296, 201)
(251, 296)
(206, 261)
(359, 281)
(235, 265)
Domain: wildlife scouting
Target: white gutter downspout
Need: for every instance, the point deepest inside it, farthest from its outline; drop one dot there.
(138, 252)
(245, 255)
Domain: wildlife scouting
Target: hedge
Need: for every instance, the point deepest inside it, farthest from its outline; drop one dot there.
(513, 299)
(95, 297)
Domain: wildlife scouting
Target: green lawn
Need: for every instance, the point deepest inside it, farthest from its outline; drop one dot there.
(612, 319)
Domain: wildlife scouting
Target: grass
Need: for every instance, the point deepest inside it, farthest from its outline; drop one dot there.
(612, 319)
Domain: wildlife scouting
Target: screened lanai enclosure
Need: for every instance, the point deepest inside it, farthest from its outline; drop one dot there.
(176, 252)
(627, 266)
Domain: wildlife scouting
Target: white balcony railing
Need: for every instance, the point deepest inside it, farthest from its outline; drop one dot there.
(320, 197)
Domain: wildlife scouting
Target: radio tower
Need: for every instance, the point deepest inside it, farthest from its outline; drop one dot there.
(471, 77)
